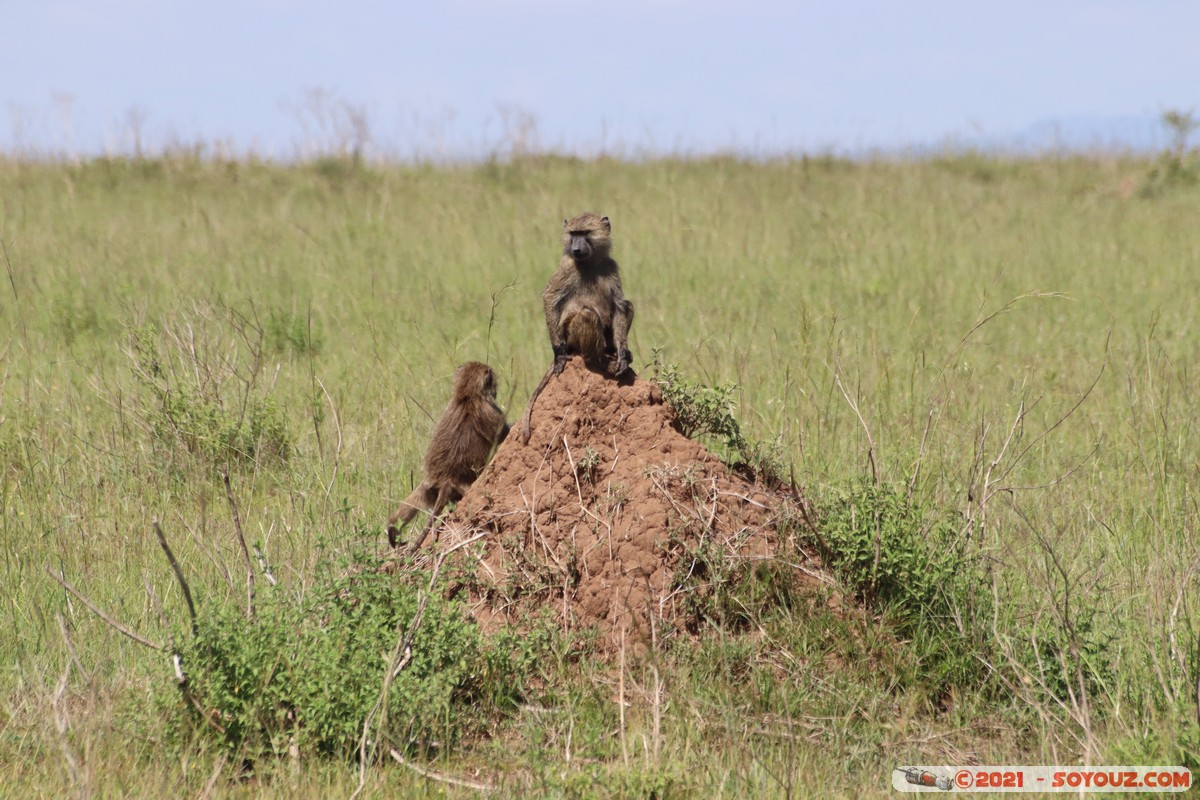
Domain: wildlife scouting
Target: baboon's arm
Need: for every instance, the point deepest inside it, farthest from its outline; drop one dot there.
(622, 320)
(558, 290)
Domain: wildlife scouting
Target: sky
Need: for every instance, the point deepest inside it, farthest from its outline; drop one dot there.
(470, 78)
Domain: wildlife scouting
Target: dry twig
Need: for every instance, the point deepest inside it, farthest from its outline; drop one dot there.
(237, 524)
(118, 627)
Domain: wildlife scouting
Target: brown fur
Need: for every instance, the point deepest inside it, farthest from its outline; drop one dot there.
(586, 311)
(469, 428)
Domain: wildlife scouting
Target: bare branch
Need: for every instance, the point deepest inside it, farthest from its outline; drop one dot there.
(183, 584)
(118, 627)
(870, 439)
(237, 524)
(425, 772)
(176, 658)
(265, 567)
(337, 453)
(1064, 417)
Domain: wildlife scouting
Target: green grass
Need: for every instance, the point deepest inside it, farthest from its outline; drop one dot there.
(1012, 342)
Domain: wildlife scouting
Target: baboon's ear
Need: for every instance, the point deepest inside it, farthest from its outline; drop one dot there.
(607, 225)
(565, 223)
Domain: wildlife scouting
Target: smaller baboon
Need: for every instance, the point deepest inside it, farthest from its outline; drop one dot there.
(586, 311)
(469, 428)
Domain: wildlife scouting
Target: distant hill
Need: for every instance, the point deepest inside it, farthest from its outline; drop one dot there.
(1135, 134)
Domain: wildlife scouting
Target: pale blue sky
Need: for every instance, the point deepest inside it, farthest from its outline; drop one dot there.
(457, 77)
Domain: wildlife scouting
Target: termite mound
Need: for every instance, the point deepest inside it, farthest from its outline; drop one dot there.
(610, 518)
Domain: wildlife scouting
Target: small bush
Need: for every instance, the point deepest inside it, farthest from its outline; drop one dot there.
(708, 411)
(77, 316)
(730, 592)
(885, 547)
(1067, 661)
(289, 332)
(699, 410)
(207, 429)
(586, 466)
(1177, 166)
(198, 401)
(1170, 172)
(306, 674)
(912, 564)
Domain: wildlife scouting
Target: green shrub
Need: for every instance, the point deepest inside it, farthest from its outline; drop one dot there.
(207, 429)
(306, 674)
(291, 332)
(708, 411)
(914, 565)
(196, 400)
(1068, 660)
(730, 592)
(699, 410)
(889, 551)
(1177, 166)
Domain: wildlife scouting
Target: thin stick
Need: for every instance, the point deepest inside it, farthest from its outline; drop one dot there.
(66, 635)
(204, 712)
(425, 772)
(212, 779)
(579, 489)
(237, 524)
(118, 627)
(176, 658)
(183, 584)
(870, 439)
(656, 705)
(337, 453)
(487, 348)
(11, 280)
(621, 699)
(1063, 418)
(265, 566)
(62, 726)
(312, 377)
(1197, 695)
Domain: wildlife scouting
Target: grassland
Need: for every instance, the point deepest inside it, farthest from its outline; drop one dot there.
(1013, 342)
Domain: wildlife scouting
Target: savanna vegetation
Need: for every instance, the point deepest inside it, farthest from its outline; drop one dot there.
(981, 371)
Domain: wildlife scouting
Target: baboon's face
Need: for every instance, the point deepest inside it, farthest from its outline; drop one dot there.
(474, 379)
(488, 384)
(585, 236)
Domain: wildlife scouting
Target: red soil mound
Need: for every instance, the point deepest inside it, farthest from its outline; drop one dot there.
(609, 517)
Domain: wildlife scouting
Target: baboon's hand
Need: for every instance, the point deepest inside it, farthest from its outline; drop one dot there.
(393, 536)
(623, 360)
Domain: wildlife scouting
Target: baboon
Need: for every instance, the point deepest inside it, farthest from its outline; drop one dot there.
(586, 311)
(469, 428)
